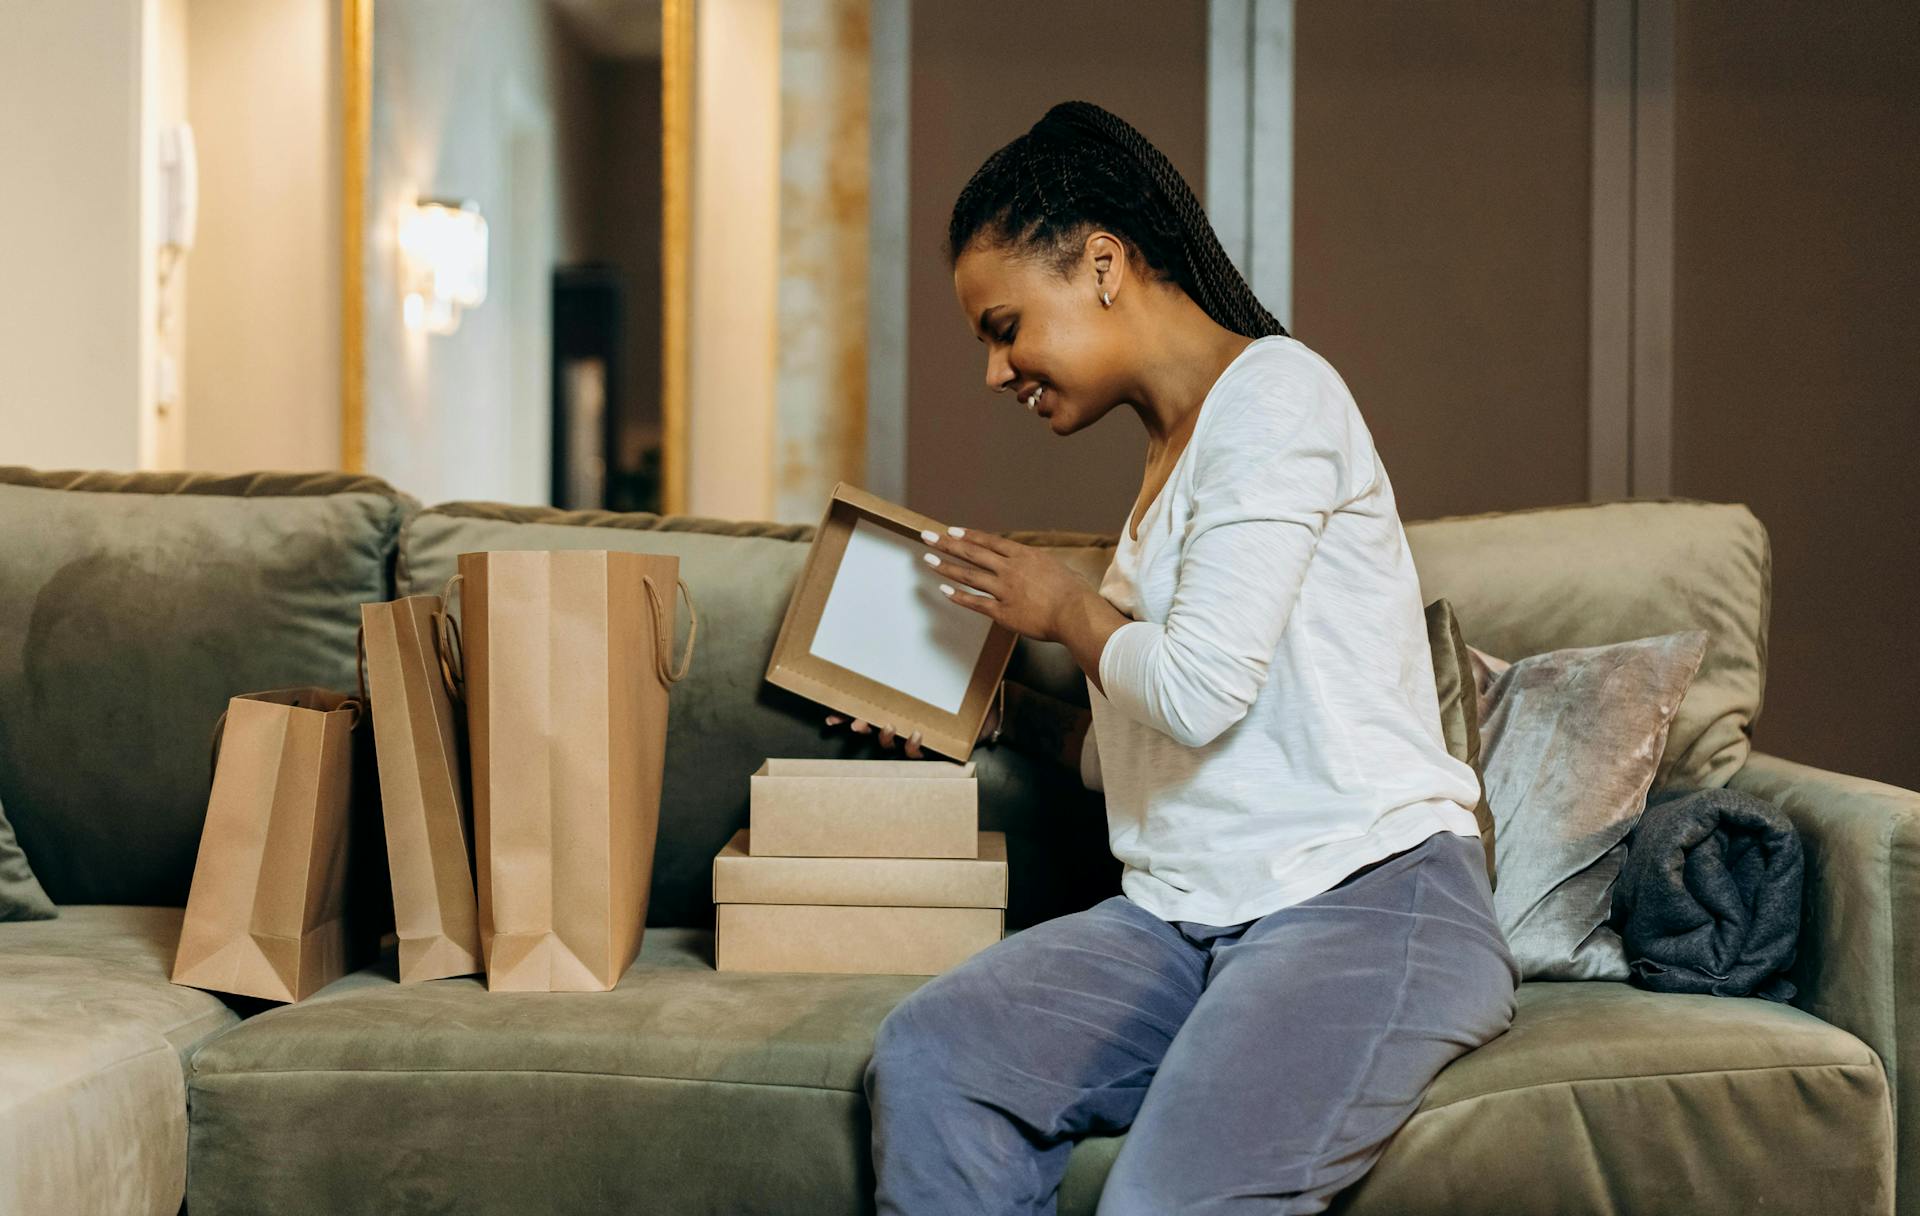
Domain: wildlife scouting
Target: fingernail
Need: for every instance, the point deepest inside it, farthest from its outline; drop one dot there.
(930, 537)
(956, 531)
(932, 559)
(945, 590)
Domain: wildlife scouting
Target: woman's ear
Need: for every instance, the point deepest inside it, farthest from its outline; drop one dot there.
(1106, 261)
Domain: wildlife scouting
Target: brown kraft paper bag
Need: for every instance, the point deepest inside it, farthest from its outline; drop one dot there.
(267, 915)
(423, 797)
(567, 668)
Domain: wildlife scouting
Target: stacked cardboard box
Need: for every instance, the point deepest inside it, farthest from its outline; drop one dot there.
(873, 866)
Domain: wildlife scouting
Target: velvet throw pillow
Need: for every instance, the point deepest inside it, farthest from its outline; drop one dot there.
(1454, 682)
(1571, 740)
(21, 896)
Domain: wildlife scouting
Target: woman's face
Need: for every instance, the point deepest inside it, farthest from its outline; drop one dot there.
(1046, 332)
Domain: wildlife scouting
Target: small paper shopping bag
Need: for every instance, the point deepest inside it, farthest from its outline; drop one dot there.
(267, 914)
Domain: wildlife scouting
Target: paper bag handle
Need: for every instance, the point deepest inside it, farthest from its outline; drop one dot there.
(213, 744)
(360, 662)
(448, 647)
(220, 728)
(663, 632)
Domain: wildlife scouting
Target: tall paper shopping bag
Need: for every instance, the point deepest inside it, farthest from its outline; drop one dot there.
(567, 667)
(267, 914)
(423, 798)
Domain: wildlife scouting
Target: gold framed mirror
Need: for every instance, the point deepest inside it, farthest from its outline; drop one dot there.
(409, 115)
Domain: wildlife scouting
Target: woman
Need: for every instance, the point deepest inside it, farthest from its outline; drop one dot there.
(1305, 935)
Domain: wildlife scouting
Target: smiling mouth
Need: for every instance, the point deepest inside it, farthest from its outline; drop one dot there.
(1032, 400)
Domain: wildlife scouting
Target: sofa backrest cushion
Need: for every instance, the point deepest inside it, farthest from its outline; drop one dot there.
(725, 719)
(1520, 582)
(131, 607)
(1526, 582)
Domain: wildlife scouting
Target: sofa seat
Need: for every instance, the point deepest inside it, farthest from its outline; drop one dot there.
(687, 1090)
(93, 1045)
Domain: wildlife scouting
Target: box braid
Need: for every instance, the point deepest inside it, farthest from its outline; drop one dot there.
(1084, 167)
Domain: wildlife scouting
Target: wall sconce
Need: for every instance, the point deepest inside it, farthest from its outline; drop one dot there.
(443, 263)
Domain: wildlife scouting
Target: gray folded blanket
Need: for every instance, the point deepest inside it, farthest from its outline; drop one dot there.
(1708, 899)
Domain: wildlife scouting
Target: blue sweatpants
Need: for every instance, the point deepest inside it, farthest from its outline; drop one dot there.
(1261, 1067)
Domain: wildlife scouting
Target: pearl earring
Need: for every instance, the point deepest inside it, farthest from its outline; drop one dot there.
(1106, 300)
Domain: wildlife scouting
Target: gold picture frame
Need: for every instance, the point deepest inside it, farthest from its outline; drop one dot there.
(356, 92)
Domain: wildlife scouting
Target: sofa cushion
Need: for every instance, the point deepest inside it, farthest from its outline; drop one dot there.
(21, 895)
(92, 1062)
(1525, 582)
(131, 607)
(725, 719)
(687, 1089)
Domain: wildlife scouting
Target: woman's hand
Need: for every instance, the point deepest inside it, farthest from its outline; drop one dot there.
(1028, 590)
(887, 736)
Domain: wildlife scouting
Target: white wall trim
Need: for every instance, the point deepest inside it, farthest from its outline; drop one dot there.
(1249, 187)
(887, 192)
(1630, 317)
(1652, 466)
(1610, 311)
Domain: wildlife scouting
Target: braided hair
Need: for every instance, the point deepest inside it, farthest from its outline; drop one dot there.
(1082, 166)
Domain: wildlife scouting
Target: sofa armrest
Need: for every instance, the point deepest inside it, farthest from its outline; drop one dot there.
(1858, 966)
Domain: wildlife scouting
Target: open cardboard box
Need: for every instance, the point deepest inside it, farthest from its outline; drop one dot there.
(868, 633)
(743, 874)
(864, 808)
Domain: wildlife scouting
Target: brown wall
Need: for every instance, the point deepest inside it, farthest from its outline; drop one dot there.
(1442, 168)
(1796, 384)
(1441, 240)
(984, 72)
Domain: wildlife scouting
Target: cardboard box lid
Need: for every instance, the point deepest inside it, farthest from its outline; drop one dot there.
(739, 877)
(886, 536)
(867, 770)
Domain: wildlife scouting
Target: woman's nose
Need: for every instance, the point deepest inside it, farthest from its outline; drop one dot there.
(1000, 375)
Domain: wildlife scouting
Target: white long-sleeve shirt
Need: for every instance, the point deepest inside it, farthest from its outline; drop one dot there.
(1269, 722)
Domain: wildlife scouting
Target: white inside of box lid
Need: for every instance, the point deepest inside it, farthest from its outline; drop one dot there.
(885, 619)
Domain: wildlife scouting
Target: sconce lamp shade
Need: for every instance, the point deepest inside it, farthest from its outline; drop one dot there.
(443, 263)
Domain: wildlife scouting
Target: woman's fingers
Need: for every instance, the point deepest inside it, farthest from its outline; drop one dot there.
(998, 545)
(959, 570)
(985, 605)
(968, 547)
(885, 736)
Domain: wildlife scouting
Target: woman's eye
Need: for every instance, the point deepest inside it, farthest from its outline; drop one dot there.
(1006, 335)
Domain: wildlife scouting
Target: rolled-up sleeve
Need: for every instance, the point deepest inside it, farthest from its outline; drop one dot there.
(1273, 468)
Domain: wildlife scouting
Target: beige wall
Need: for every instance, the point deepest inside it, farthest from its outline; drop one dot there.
(982, 74)
(262, 316)
(734, 259)
(1796, 387)
(163, 421)
(821, 393)
(71, 310)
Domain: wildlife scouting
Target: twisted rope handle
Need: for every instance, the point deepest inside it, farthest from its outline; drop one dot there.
(360, 661)
(213, 744)
(448, 646)
(663, 632)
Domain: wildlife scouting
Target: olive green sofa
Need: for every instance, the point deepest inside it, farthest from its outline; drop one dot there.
(131, 607)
